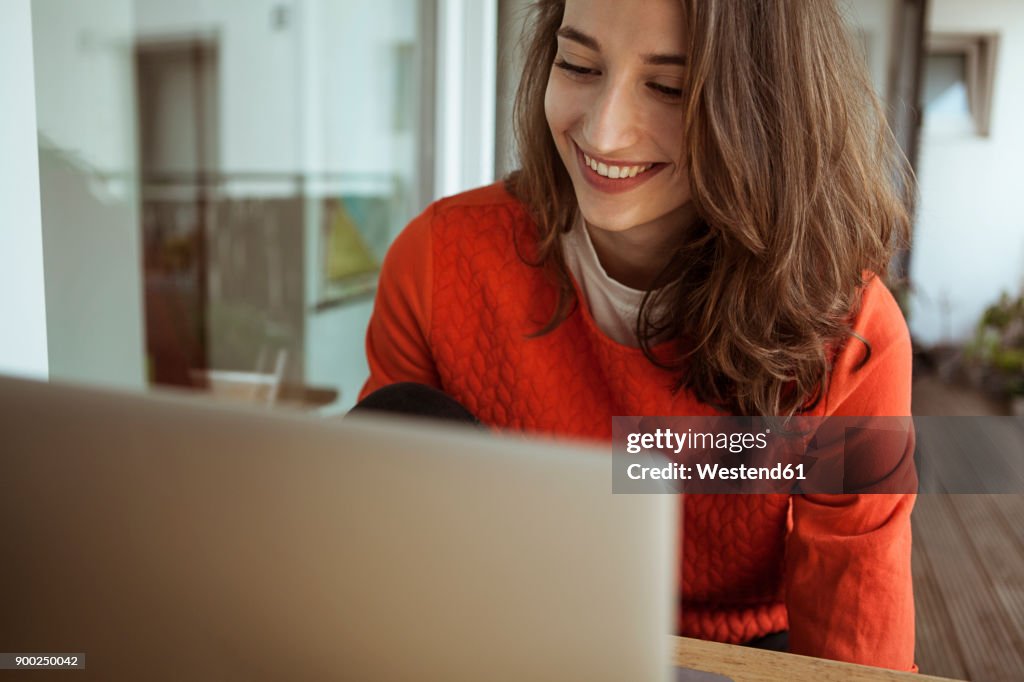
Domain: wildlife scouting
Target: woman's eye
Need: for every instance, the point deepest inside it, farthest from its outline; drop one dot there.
(573, 68)
(674, 93)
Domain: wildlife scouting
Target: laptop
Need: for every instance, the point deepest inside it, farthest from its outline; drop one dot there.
(162, 536)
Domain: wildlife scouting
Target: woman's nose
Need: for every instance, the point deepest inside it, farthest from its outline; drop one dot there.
(613, 122)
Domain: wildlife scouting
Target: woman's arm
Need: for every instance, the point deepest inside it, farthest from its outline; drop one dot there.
(848, 581)
(398, 337)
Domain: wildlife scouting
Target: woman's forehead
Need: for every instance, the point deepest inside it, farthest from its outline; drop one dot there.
(646, 25)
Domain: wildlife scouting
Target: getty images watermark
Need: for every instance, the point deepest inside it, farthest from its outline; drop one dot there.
(821, 455)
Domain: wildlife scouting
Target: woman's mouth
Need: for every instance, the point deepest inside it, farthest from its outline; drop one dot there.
(612, 177)
(615, 172)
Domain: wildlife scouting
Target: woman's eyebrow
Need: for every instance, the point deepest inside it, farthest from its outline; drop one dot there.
(664, 59)
(578, 36)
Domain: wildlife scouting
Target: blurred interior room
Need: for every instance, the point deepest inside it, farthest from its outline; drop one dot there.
(214, 184)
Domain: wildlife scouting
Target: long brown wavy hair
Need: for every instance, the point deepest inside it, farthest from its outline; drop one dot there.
(800, 189)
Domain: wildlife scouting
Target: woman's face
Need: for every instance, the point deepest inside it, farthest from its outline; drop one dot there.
(614, 105)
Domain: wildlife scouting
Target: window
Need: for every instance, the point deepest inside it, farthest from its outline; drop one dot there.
(219, 183)
(958, 84)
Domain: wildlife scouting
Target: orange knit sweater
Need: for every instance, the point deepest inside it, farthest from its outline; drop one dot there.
(454, 309)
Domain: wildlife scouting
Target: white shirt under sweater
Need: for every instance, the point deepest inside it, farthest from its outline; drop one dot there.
(612, 304)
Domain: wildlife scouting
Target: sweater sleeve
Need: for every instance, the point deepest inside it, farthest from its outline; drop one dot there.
(397, 339)
(849, 593)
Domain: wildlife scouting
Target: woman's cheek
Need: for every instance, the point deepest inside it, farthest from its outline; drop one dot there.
(551, 103)
(674, 128)
(561, 104)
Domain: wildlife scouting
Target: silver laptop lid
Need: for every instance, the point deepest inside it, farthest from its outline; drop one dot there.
(170, 538)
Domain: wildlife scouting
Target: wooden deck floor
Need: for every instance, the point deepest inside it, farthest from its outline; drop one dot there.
(968, 567)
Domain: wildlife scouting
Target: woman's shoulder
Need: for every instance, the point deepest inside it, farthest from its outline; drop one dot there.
(871, 374)
(485, 215)
(482, 208)
(469, 219)
(493, 195)
(879, 319)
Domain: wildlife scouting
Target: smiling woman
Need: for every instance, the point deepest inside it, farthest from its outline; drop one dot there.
(708, 198)
(615, 115)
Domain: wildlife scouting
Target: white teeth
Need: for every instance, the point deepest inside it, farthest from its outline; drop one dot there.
(615, 172)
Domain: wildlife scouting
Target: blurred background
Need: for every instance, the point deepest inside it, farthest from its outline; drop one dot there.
(199, 193)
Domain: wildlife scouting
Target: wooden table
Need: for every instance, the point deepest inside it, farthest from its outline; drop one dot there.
(744, 664)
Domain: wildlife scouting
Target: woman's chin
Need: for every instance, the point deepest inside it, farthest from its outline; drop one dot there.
(606, 215)
(609, 221)
(606, 224)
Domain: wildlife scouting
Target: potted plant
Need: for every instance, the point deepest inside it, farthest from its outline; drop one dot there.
(997, 351)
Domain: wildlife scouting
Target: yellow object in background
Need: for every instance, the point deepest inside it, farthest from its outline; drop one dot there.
(347, 253)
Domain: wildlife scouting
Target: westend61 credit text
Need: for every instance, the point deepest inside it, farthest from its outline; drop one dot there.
(669, 441)
(715, 472)
(763, 455)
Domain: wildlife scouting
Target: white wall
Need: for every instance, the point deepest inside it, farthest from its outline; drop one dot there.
(23, 348)
(258, 62)
(85, 105)
(306, 95)
(84, 79)
(969, 240)
(358, 86)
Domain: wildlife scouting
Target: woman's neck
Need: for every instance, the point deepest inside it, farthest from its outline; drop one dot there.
(634, 257)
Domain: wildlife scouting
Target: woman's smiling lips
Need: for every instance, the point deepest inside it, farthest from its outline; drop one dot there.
(631, 174)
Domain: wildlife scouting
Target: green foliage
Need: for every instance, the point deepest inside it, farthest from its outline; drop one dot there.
(998, 345)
